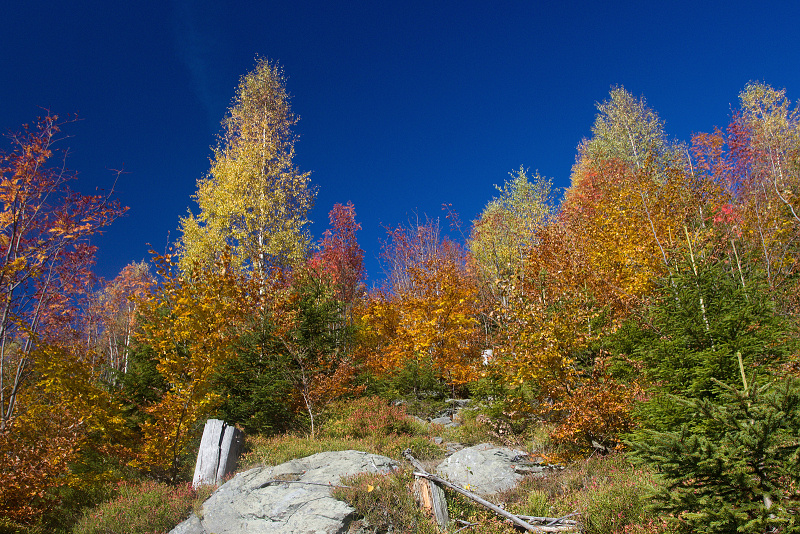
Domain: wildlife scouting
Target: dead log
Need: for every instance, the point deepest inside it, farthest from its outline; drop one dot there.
(430, 496)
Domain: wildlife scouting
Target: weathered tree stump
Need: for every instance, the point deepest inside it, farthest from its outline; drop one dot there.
(219, 452)
(430, 497)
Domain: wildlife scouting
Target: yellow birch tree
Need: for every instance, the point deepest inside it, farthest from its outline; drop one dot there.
(254, 200)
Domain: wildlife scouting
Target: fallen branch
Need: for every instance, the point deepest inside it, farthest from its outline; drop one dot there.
(420, 471)
(466, 524)
(550, 521)
(563, 519)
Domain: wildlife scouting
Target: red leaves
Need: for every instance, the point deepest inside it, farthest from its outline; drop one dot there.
(45, 261)
(45, 257)
(341, 257)
(31, 464)
(725, 159)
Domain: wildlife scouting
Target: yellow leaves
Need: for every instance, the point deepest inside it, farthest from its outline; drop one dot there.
(18, 264)
(63, 411)
(434, 317)
(191, 324)
(254, 200)
(621, 220)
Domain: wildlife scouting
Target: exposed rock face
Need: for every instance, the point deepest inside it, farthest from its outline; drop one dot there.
(253, 502)
(487, 469)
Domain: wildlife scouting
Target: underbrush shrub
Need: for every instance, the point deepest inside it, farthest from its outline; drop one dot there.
(417, 380)
(140, 508)
(474, 429)
(608, 493)
(385, 502)
(467, 514)
(509, 415)
(365, 417)
(429, 407)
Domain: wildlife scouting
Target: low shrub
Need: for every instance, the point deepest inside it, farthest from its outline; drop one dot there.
(471, 516)
(140, 508)
(609, 495)
(365, 417)
(385, 502)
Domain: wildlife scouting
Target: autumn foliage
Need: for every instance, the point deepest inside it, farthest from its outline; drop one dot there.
(430, 313)
(192, 321)
(340, 256)
(50, 403)
(666, 271)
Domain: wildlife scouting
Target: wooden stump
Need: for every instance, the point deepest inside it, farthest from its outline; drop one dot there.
(430, 498)
(219, 451)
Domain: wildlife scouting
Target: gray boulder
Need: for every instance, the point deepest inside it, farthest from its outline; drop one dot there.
(264, 499)
(487, 469)
(444, 421)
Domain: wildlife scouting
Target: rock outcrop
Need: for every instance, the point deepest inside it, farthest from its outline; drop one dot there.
(291, 497)
(487, 469)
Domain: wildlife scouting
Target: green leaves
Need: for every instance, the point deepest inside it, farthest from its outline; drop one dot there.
(699, 321)
(627, 130)
(507, 228)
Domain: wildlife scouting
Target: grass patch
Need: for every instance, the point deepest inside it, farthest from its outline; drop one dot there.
(368, 424)
(385, 502)
(609, 493)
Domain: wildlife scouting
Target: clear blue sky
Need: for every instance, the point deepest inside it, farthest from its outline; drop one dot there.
(404, 106)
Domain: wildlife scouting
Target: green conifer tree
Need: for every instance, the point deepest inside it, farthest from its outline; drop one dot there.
(704, 314)
(739, 470)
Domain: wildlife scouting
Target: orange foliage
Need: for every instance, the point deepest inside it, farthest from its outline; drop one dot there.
(598, 409)
(585, 274)
(45, 254)
(114, 314)
(64, 412)
(35, 454)
(52, 405)
(545, 316)
(431, 314)
(626, 222)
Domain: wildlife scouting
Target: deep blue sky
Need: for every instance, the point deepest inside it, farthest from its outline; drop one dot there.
(404, 106)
